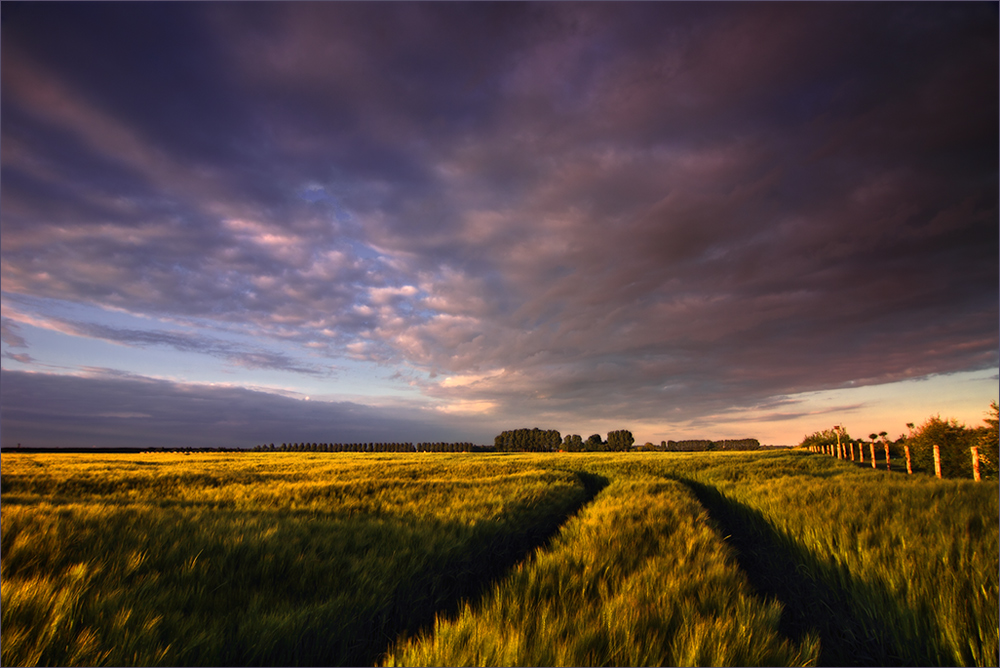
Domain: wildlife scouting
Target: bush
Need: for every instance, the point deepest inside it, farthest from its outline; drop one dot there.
(989, 443)
(954, 440)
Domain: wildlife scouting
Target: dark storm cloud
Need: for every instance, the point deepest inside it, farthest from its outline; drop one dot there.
(641, 210)
(114, 410)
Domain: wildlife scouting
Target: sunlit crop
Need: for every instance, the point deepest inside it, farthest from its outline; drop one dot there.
(717, 558)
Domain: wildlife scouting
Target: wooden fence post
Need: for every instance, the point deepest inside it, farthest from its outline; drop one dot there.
(975, 464)
(909, 465)
(937, 461)
(871, 451)
(886, 446)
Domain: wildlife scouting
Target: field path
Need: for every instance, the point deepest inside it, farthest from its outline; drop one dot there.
(783, 569)
(474, 585)
(638, 577)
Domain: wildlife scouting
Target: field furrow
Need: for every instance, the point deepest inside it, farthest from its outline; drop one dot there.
(639, 577)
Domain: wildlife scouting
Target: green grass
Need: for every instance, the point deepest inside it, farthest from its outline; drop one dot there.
(742, 558)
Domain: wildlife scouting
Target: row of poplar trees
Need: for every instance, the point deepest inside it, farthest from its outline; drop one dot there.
(539, 440)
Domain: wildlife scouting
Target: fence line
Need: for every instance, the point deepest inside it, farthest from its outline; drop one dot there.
(840, 450)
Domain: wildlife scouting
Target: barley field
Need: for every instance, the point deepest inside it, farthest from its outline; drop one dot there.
(716, 558)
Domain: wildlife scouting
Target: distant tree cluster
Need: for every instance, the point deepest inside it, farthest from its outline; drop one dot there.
(736, 444)
(452, 447)
(372, 447)
(528, 440)
(702, 445)
(826, 437)
(620, 441)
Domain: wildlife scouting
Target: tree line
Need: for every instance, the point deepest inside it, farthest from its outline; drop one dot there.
(514, 440)
(550, 440)
(954, 441)
(372, 447)
(526, 440)
(705, 445)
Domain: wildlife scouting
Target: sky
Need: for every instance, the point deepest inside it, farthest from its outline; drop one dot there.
(224, 224)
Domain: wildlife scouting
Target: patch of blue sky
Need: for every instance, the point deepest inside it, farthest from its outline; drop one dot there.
(364, 251)
(57, 352)
(214, 355)
(59, 308)
(314, 192)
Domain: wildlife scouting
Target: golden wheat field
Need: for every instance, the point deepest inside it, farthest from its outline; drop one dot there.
(717, 558)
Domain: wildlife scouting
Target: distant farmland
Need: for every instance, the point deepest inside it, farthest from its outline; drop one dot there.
(770, 557)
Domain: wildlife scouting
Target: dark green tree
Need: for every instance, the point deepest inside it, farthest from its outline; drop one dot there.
(954, 441)
(989, 443)
(825, 437)
(620, 440)
(527, 440)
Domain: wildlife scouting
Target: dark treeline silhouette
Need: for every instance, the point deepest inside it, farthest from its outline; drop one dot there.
(528, 440)
(373, 447)
(550, 440)
(702, 445)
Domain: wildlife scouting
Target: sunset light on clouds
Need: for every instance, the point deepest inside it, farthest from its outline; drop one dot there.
(438, 221)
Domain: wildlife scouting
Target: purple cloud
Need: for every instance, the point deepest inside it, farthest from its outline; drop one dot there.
(633, 210)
